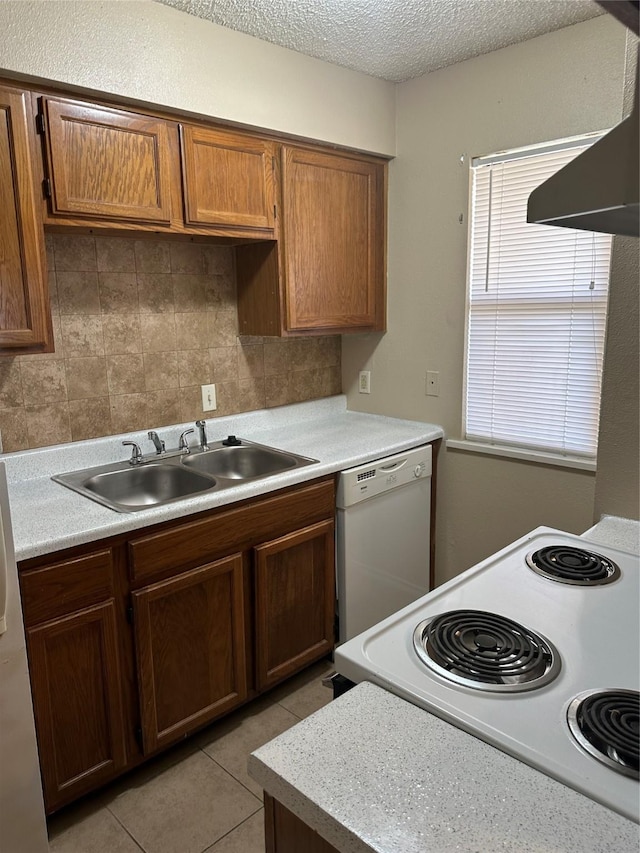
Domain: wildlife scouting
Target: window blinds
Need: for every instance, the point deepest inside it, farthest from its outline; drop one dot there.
(537, 314)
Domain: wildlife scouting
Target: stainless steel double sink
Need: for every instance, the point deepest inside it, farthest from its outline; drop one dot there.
(171, 477)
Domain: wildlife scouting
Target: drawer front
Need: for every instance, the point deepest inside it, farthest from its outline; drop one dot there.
(236, 529)
(61, 588)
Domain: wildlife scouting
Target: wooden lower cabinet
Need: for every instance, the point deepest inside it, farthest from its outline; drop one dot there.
(76, 687)
(286, 833)
(295, 602)
(189, 634)
(143, 639)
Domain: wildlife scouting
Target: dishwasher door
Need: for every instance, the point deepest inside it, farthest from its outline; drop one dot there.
(383, 538)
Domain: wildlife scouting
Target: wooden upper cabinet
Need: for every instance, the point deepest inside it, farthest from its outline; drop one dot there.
(228, 178)
(333, 241)
(25, 322)
(105, 163)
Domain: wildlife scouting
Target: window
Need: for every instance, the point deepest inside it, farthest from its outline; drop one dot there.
(537, 303)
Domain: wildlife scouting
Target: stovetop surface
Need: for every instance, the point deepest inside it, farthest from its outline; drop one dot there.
(595, 629)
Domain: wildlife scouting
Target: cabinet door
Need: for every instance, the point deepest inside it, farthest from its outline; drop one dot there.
(333, 238)
(75, 682)
(295, 602)
(107, 164)
(189, 634)
(25, 320)
(228, 178)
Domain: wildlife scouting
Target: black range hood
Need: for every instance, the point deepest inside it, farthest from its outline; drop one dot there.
(598, 191)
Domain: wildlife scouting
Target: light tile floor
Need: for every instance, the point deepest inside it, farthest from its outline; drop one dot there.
(196, 797)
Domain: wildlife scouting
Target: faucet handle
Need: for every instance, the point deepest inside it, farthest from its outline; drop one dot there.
(136, 453)
(183, 444)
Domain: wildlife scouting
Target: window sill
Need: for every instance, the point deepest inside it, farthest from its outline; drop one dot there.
(525, 455)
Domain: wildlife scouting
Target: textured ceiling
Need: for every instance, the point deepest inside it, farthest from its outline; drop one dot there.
(392, 39)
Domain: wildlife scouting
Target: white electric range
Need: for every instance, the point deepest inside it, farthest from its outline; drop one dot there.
(535, 650)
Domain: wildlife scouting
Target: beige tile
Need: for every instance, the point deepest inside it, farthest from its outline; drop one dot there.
(224, 363)
(224, 330)
(278, 357)
(160, 371)
(158, 332)
(121, 334)
(194, 367)
(50, 256)
(74, 252)
(222, 290)
(10, 383)
(250, 361)
(193, 331)
(152, 256)
(231, 740)
(193, 293)
(330, 351)
(218, 260)
(246, 838)
(186, 257)
(277, 391)
(48, 424)
(245, 395)
(90, 830)
(127, 412)
(332, 381)
(191, 404)
(118, 292)
(162, 408)
(115, 254)
(82, 336)
(52, 285)
(90, 418)
(86, 377)
(303, 385)
(13, 429)
(78, 292)
(125, 373)
(43, 382)
(185, 808)
(303, 355)
(155, 293)
(304, 694)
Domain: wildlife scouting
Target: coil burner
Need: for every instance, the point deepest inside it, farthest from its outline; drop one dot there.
(607, 724)
(566, 564)
(485, 651)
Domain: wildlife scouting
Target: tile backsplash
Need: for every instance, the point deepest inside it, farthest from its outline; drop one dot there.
(140, 325)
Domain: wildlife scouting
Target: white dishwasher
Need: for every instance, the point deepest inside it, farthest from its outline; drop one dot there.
(383, 538)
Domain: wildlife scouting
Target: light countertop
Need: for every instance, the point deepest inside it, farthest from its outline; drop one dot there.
(371, 772)
(48, 517)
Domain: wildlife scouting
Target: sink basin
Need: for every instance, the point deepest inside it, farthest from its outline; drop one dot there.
(243, 462)
(128, 488)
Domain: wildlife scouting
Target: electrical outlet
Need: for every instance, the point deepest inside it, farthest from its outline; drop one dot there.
(432, 385)
(364, 382)
(208, 398)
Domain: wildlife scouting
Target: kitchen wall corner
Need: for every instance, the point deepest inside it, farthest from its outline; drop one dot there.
(140, 325)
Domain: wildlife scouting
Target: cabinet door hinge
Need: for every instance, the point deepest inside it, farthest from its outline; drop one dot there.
(137, 733)
(129, 612)
(40, 125)
(46, 187)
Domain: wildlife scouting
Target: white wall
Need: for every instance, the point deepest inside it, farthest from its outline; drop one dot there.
(152, 53)
(553, 86)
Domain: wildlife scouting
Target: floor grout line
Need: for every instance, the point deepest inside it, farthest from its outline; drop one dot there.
(222, 837)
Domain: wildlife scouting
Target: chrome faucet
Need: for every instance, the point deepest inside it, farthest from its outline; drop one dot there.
(202, 431)
(157, 441)
(183, 444)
